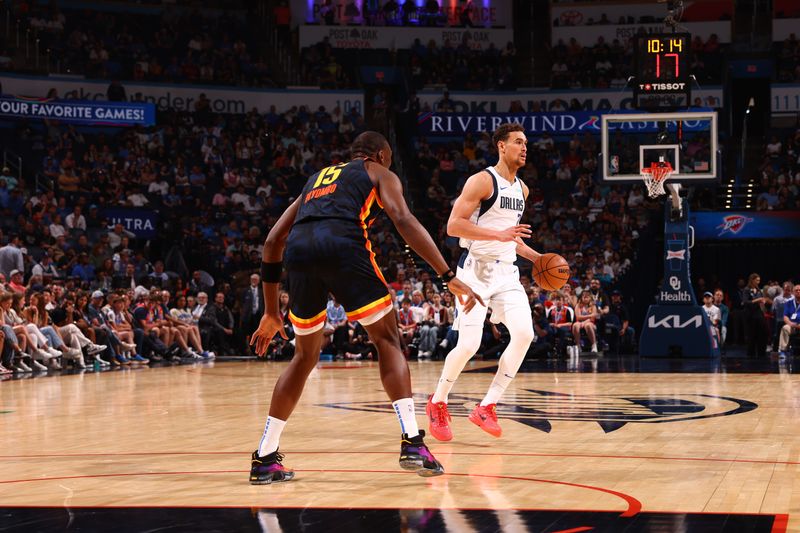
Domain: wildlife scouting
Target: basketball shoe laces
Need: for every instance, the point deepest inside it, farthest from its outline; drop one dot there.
(442, 414)
(492, 411)
(279, 459)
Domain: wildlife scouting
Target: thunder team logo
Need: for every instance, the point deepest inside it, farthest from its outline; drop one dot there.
(540, 409)
(733, 224)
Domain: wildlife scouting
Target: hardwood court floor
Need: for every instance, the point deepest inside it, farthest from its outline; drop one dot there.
(617, 444)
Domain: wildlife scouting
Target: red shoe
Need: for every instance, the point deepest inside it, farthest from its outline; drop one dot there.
(485, 417)
(438, 420)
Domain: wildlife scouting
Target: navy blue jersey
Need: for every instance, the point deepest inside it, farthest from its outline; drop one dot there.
(328, 249)
(342, 191)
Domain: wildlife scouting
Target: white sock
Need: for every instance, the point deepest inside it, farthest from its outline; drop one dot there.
(469, 340)
(404, 407)
(442, 390)
(499, 385)
(272, 434)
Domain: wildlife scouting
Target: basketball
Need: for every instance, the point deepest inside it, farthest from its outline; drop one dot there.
(551, 272)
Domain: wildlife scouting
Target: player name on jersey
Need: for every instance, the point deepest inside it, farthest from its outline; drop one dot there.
(515, 204)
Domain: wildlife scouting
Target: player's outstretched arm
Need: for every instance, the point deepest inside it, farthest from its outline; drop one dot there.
(390, 190)
(478, 188)
(272, 323)
(523, 250)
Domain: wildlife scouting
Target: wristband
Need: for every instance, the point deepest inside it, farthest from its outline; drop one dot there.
(448, 276)
(271, 272)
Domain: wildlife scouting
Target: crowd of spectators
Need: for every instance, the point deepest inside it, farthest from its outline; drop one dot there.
(778, 187)
(787, 64)
(48, 324)
(609, 65)
(463, 65)
(763, 316)
(215, 182)
(186, 46)
(577, 19)
(233, 179)
(393, 13)
(319, 66)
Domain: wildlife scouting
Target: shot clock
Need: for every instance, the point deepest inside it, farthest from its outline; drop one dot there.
(662, 71)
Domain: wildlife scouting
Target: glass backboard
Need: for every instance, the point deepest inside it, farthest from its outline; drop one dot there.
(687, 140)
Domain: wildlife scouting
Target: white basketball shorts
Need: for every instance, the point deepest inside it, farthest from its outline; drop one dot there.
(498, 285)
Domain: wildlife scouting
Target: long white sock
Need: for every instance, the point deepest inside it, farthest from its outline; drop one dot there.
(404, 407)
(469, 340)
(271, 436)
(522, 336)
(443, 389)
(499, 385)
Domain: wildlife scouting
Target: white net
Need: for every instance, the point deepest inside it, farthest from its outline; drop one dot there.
(654, 178)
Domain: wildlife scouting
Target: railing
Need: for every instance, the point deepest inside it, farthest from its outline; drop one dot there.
(14, 163)
(279, 53)
(26, 43)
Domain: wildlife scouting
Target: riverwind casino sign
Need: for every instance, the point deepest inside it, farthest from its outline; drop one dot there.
(458, 124)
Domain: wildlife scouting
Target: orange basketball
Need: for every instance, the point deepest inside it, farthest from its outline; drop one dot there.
(551, 272)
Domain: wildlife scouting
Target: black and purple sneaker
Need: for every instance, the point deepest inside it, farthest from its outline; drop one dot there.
(268, 469)
(414, 455)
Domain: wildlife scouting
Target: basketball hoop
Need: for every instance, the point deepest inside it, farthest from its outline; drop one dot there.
(655, 176)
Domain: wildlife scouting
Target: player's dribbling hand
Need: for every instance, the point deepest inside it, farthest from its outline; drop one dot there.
(267, 328)
(464, 294)
(515, 232)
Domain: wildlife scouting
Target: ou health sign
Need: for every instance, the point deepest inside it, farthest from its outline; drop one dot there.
(726, 225)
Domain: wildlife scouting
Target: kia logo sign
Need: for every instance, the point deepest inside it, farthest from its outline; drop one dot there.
(674, 322)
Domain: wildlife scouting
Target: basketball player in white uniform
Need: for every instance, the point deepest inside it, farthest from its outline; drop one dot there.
(486, 218)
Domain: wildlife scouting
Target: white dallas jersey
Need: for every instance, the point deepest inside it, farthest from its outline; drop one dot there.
(498, 212)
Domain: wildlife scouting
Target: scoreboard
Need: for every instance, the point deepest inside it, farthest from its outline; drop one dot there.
(663, 79)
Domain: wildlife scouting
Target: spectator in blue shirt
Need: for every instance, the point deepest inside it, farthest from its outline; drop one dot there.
(791, 320)
(84, 269)
(9, 178)
(777, 310)
(336, 326)
(5, 195)
(724, 311)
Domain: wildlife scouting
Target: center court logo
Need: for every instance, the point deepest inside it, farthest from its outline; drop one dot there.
(538, 408)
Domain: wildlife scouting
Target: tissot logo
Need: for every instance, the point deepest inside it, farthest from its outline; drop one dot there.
(662, 86)
(540, 409)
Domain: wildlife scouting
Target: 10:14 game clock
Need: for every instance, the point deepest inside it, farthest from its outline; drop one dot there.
(662, 71)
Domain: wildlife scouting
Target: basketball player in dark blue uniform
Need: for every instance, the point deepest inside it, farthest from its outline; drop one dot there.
(322, 238)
